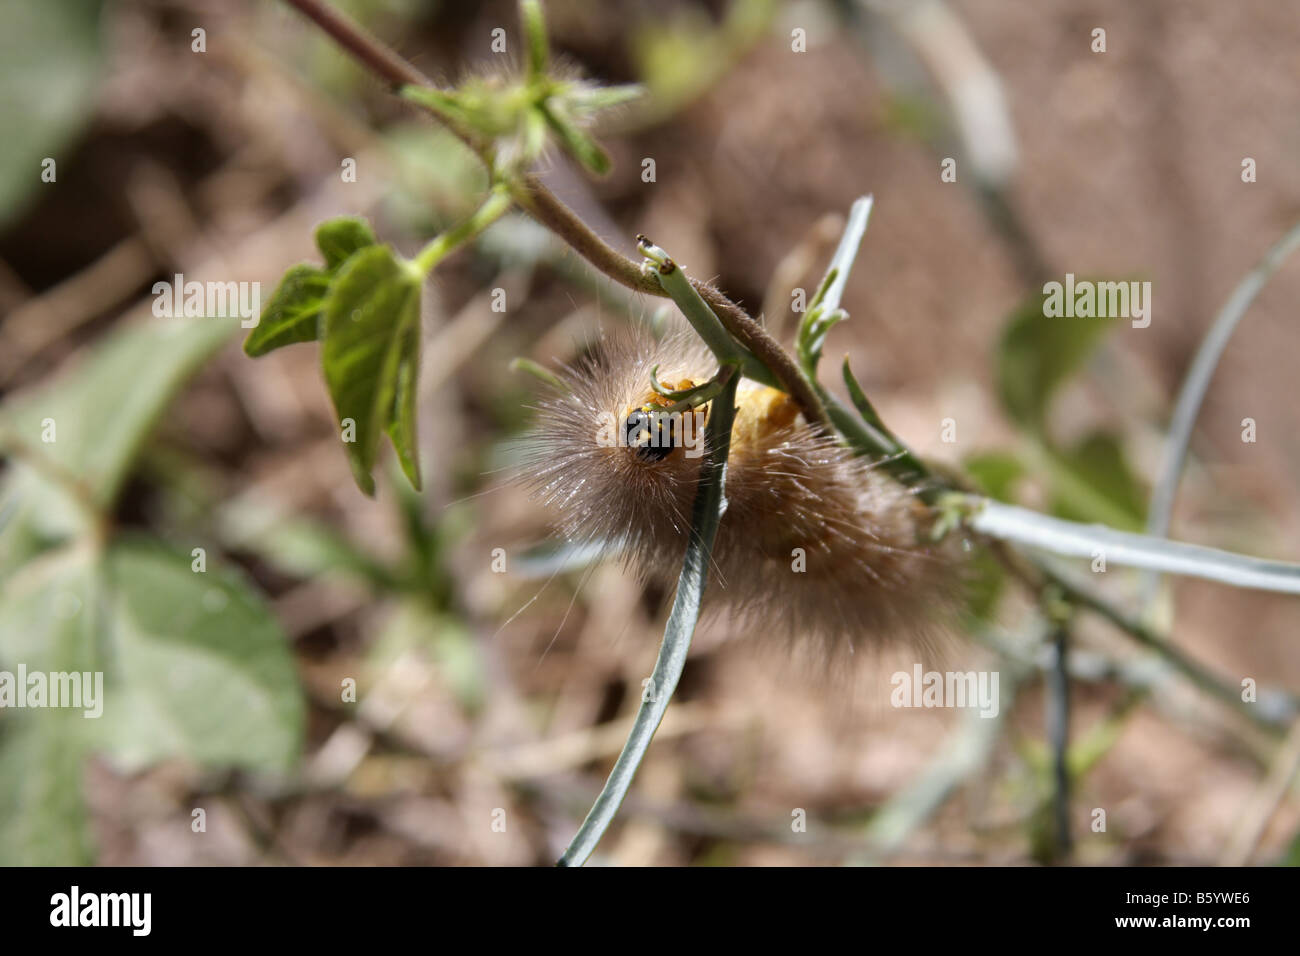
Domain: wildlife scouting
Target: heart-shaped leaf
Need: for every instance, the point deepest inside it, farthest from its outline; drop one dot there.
(200, 670)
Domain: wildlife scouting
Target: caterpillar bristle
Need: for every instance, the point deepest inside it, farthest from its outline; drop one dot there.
(815, 542)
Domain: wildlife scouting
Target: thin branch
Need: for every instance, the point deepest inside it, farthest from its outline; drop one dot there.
(376, 56)
(547, 209)
(544, 206)
(703, 319)
(752, 335)
(1198, 382)
(1058, 732)
(1272, 711)
(1029, 528)
(685, 613)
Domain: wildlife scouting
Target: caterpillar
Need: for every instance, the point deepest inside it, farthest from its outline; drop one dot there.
(814, 542)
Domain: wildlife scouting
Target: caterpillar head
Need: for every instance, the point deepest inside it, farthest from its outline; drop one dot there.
(608, 459)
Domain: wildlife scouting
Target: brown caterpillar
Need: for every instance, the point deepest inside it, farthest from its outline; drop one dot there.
(869, 574)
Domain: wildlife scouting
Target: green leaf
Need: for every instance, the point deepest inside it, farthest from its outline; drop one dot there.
(97, 413)
(1037, 354)
(47, 623)
(860, 400)
(199, 667)
(574, 140)
(996, 473)
(811, 339)
(47, 618)
(292, 314)
(372, 305)
(587, 99)
(402, 427)
(475, 109)
(43, 817)
(49, 66)
(339, 239)
(193, 666)
(103, 407)
(824, 311)
(1093, 482)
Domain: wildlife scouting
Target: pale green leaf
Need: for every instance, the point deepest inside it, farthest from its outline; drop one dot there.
(199, 667)
(47, 623)
(43, 817)
(88, 423)
(1037, 354)
(49, 66)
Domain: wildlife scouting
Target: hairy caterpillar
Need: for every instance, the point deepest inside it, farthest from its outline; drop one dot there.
(814, 540)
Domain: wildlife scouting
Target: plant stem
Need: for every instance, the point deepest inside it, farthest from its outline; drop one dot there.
(547, 209)
(1198, 381)
(535, 34)
(705, 518)
(381, 59)
(447, 242)
(1029, 528)
(1058, 732)
(702, 318)
(1270, 712)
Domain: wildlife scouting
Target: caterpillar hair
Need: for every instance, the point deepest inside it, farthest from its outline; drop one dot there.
(814, 541)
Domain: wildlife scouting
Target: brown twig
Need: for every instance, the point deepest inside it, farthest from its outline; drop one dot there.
(383, 61)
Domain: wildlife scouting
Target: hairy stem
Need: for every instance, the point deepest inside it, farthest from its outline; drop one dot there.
(382, 60)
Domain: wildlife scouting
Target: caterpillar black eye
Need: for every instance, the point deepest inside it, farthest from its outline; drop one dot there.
(648, 435)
